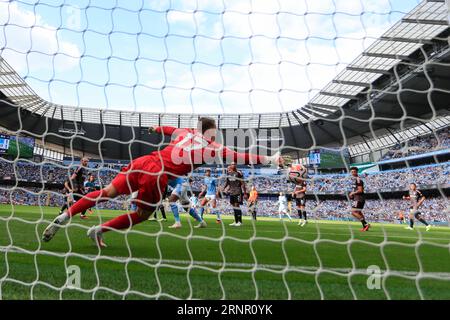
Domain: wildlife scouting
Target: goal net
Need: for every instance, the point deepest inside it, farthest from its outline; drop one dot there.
(329, 84)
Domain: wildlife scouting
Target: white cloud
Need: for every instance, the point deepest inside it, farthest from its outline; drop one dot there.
(29, 44)
(274, 59)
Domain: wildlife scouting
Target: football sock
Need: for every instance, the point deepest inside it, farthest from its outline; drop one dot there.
(194, 215)
(236, 218)
(163, 212)
(88, 201)
(64, 207)
(411, 223)
(239, 215)
(175, 212)
(202, 210)
(123, 222)
(423, 221)
(304, 215)
(364, 223)
(216, 212)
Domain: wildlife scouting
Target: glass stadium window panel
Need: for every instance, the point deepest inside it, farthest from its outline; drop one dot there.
(42, 108)
(111, 117)
(379, 143)
(254, 122)
(403, 135)
(228, 121)
(292, 119)
(373, 144)
(284, 121)
(319, 111)
(12, 92)
(188, 121)
(429, 11)
(302, 118)
(412, 133)
(10, 79)
(377, 63)
(419, 130)
(130, 119)
(248, 121)
(71, 114)
(270, 120)
(437, 123)
(361, 148)
(386, 141)
(169, 120)
(149, 119)
(91, 116)
(324, 108)
(329, 100)
(353, 149)
(390, 139)
(365, 149)
(414, 31)
(346, 89)
(358, 76)
(57, 114)
(394, 47)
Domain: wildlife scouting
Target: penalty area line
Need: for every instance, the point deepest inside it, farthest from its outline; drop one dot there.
(240, 265)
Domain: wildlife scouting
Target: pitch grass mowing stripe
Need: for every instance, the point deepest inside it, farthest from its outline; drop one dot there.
(229, 266)
(21, 227)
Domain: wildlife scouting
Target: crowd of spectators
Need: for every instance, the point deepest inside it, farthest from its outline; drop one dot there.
(423, 176)
(340, 183)
(426, 177)
(435, 209)
(420, 145)
(388, 210)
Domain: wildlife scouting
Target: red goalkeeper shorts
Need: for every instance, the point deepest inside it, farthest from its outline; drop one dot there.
(144, 175)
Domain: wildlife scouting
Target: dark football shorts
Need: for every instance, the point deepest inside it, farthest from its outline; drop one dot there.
(300, 201)
(358, 204)
(236, 198)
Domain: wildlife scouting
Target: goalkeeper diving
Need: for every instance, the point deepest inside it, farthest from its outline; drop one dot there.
(149, 175)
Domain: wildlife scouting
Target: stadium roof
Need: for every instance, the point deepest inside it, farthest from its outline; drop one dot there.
(392, 138)
(426, 22)
(386, 84)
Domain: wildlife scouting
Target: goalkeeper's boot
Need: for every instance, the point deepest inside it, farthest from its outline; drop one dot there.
(428, 227)
(201, 225)
(366, 228)
(238, 224)
(53, 227)
(409, 228)
(96, 235)
(304, 223)
(176, 225)
(233, 224)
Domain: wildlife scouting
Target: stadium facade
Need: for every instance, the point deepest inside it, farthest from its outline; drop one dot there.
(395, 90)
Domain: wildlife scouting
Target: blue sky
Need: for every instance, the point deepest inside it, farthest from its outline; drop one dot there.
(188, 56)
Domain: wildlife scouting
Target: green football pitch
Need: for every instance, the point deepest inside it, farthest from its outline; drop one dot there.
(268, 259)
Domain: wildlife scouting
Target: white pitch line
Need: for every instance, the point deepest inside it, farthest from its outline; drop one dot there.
(229, 265)
(319, 233)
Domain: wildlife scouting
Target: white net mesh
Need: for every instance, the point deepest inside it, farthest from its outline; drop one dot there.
(366, 78)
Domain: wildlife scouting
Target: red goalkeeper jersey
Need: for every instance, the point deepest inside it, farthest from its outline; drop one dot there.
(189, 149)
